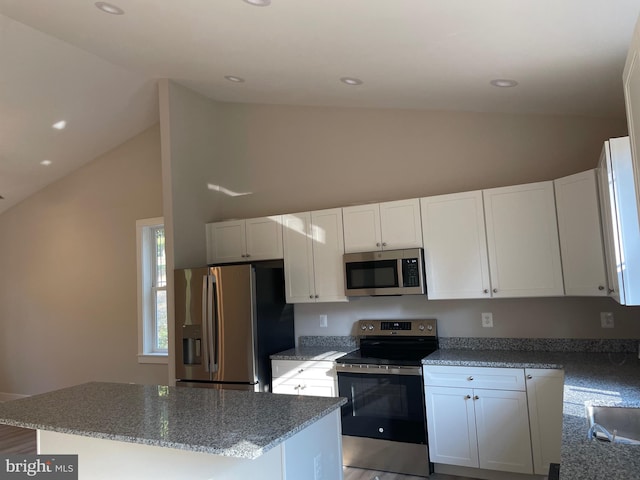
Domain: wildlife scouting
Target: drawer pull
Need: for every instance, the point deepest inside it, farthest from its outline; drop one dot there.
(529, 377)
(476, 397)
(469, 378)
(467, 397)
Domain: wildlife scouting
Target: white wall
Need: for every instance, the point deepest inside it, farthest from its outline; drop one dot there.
(560, 317)
(68, 305)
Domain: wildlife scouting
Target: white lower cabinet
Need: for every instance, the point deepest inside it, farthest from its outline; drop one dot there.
(309, 377)
(545, 389)
(481, 417)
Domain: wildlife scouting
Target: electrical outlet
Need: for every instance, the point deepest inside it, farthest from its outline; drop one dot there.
(487, 320)
(606, 320)
(323, 321)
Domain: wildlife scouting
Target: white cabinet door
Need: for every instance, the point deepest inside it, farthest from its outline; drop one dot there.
(502, 423)
(384, 226)
(610, 223)
(313, 249)
(544, 396)
(631, 84)
(362, 228)
(328, 249)
(455, 246)
(522, 238)
(623, 227)
(298, 258)
(400, 224)
(264, 238)
(451, 426)
(226, 241)
(579, 226)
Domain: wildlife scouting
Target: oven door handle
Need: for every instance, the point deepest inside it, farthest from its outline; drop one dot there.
(378, 369)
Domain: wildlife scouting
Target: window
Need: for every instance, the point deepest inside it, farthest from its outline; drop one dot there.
(153, 339)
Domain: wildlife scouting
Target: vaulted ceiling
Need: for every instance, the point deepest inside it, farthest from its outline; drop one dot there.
(68, 60)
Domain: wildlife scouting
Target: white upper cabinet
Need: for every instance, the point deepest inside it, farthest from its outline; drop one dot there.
(313, 250)
(580, 232)
(631, 85)
(522, 239)
(382, 226)
(244, 240)
(455, 246)
(620, 221)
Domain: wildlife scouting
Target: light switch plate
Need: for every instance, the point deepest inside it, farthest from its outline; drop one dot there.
(323, 321)
(487, 320)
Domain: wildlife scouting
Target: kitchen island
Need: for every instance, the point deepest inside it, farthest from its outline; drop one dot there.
(597, 378)
(161, 432)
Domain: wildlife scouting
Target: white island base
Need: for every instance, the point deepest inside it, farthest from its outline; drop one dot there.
(314, 453)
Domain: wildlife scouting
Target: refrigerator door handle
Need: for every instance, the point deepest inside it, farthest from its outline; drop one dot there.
(205, 323)
(213, 321)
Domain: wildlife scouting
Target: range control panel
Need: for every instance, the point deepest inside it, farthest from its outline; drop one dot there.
(413, 328)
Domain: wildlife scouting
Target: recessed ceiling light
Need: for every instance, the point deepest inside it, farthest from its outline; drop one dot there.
(503, 82)
(59, 125)
(351, 81)
(109, 8)
(233, 78)
(46, 163)
(258, 3)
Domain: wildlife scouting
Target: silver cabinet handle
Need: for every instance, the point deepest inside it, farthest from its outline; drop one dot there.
(467, 397)
(486, 290)
(377, 244)
(310, 296)
(495, 290)
(600, 287)
(469, 378)
(384, 244)
(301, 370)
(317, 296)
(476, 397)
(529, 377)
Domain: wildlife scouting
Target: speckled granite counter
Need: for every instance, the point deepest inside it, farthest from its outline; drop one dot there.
(230, 423)
(318, 348)
(312, 353)
(602, 378)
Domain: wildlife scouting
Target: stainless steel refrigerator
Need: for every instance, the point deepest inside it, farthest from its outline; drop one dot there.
(229, 320)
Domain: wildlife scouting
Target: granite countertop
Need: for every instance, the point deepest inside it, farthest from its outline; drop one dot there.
(597, 378)
(329, 353)
(231, 423)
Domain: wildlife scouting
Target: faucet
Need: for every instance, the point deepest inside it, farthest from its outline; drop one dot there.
(597, 428)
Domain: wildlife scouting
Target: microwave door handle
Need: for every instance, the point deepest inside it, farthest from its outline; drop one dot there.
(205, 322)
(399, 270)
(213, 319)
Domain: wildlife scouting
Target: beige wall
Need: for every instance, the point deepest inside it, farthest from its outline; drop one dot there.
(68, 305)
(304, 158)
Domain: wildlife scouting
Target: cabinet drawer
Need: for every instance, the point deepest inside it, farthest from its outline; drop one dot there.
(318, 388)
(309, 369)
(474, 377)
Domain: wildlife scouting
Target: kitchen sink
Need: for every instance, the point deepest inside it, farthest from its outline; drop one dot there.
(614, 424)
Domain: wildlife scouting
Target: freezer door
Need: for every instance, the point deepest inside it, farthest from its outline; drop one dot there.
(233, 357)
(191, 330)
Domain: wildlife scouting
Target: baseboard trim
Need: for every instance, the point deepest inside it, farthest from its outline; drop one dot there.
(5, 397)
(483, 474)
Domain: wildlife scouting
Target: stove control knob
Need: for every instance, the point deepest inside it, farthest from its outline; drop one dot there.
(363, 327)
(421, 328)
(381, 430)
(371, 327)
(430, 327)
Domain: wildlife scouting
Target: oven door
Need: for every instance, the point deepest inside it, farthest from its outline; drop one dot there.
(385, 406)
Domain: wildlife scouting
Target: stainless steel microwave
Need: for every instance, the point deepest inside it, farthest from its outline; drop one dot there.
(391, 272)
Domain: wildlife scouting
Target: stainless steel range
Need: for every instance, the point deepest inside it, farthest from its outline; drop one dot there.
(383, 422)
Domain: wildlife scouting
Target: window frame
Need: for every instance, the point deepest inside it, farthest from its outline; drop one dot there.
(146, 269)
